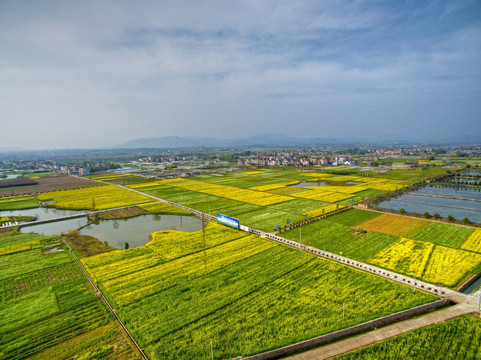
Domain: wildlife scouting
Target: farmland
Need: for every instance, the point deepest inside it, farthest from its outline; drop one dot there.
(47, 184)
(459, 338)
(432, 252)
(18, 202)
(246, 294)
(395, 225)
(473, 242)
(266, 200)
(242, 292)
(93, 198)
(48, 305)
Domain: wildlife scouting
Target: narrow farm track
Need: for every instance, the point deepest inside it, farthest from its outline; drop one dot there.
(111, 309)
(465, 303)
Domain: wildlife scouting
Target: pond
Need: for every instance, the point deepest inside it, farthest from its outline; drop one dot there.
(460, 203)
(134, 231)
(310, 183)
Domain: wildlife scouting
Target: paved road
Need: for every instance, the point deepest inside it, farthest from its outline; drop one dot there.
(470, 305)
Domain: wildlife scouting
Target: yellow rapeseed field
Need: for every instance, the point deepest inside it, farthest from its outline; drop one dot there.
(318, 175)
(154, 183)
(273, 186)
(327, 209)
(17, 248)
(341, 189)
(473, 242)
(233, 193)
(321, 195)
(15, 198)
(163, 208)
(405, 256)
(395, 225)
(252, 172)
(94, 198)
(449, 266)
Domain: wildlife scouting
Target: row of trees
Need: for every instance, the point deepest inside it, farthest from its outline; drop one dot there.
(436, 216)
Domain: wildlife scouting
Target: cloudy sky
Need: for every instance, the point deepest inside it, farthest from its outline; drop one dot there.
(99, 73)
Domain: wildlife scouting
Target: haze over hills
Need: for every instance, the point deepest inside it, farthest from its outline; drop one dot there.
(282, 140)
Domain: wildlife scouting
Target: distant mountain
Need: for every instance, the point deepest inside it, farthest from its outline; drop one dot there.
(280, 140)
(462, 139)
(256, 140)
(10, 149)
(168, 142)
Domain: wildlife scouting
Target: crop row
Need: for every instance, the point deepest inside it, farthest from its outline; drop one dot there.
(44, 300)
(322, 195)
(244, 195)
(473, 242)
(371, 242)
(38, 336)
(395, 225)
(323, 210)
(248, 295)
(154, 279)
(19, 247)
(459, 338)
(17, 203)
(102, 342)
(175, 244)
(406, 256)
(30, 261)
(155, 183)
(163, 208)
(273, 186)
(449, 265)
(25, 283)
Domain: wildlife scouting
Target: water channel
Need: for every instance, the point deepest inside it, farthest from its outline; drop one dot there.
(41, 213)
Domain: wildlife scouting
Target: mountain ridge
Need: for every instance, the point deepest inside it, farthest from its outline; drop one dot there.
(279, 139)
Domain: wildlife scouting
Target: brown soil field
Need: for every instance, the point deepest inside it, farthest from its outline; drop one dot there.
(47, 184)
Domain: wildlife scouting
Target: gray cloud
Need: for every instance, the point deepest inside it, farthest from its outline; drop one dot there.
(92, 74)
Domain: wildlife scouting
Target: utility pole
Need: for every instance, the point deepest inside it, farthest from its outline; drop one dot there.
(300, 236)
(211, 350)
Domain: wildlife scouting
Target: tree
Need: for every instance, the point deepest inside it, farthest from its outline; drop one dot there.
(402, 211)
(466, 221)
(437, 216)
(451, 218)
(126, 245)
(427, 215)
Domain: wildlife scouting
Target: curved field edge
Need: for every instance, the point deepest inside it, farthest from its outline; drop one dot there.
(246, 294)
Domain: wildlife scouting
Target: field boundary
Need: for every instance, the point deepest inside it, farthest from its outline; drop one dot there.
(349, 332)
(111, 309)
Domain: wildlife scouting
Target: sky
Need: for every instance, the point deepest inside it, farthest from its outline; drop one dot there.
(92, 74)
